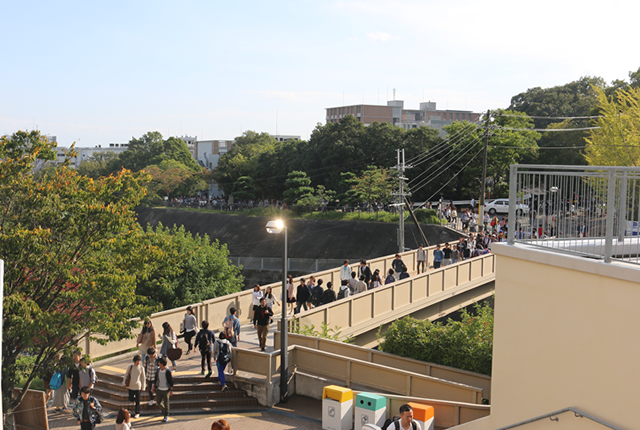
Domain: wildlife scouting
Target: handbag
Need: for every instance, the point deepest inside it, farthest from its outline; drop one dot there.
(127, 380)
(174, 353)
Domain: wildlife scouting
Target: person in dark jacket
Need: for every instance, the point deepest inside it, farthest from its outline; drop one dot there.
(329, 295)
(316, 294)
(398, 264)
(163, 387)
(365, 271)
(87, 409)
(261, 320)
(302, 296)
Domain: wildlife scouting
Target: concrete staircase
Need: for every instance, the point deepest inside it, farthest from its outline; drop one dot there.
(191, 394)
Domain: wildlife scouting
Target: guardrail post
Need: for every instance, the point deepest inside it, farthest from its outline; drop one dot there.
(622, 212)
(608, 240)
(513, 188)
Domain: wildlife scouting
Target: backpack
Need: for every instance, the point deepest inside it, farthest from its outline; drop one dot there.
(316, 296)
(328, 296)
(341, 293)
(224, 354)
(393, 423)
(56, 381)
(203, 342)
(228, 328)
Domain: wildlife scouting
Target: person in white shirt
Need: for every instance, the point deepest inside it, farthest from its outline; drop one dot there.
(256, 295)
(136, 383)
(345, 271)
(406, 419)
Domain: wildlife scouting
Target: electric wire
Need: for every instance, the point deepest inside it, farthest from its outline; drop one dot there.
(467, 145)
(459, 171)
(442, 169)
(451, 140)
(544, 129)
(550, 117)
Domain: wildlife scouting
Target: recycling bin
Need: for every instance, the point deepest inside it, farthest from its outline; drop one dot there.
(337, 408)
(423, 414)
(370, 409)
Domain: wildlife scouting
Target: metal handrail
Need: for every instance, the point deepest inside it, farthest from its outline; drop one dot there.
(578, 414)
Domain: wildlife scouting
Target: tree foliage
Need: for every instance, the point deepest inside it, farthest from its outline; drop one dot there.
(297, 187)
(199, 269)
(73, 254)
(617, 141)
(374, 186)
(466, 344)
(151, 149)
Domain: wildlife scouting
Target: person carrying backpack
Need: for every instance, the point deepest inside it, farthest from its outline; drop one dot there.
(344, 290)
(231, 325)
(328, 295)
(222, 356)
(316, 294)
(404, 421)
(204, 340)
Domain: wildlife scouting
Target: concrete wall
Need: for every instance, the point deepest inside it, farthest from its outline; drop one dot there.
(566, 331)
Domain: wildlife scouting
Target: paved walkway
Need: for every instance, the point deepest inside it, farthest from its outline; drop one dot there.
(298, 413)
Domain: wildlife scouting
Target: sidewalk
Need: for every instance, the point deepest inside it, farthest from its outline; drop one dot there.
(298, 413)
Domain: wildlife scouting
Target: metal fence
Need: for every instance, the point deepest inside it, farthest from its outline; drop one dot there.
(293, 264)
(589, 211)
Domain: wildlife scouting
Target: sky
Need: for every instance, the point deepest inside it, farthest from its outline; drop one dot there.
(95, 73)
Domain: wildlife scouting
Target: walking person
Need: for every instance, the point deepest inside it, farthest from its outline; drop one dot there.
(446, 255)
(256, 295)
(270, 298)
(316, 294)
(390, 278)
(146, 339)
(87, 374)
(344, 291)
(353, 282)
(291, 294)
(134, 380)
(364, 270)
(437, 257)
(163, 387)
(87, 409)
(123, 420)
(361, 286)
(328, 295)
(397, 264)
(150, 367)
(302, 296)
(231, 324)
(261, 320)
(421, 258)
(204, 340)
(220, 425)
(311, 285)
(345, 271)
(376, 281)
(169, 340)
(222, 355)
(190, 324)
(73, 376)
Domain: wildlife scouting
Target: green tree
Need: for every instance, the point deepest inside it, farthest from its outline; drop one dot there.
(73, 255)
(151, 149)
(617, 141)
(374, 186)
(244, 188)
(466, 344)
(171, 177)
(199, 269)
(100, 164)
(297, 185)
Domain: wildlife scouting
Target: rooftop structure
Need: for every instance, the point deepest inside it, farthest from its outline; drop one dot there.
(395, 113)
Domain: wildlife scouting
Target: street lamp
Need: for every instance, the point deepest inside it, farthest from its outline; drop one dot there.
(276, 227)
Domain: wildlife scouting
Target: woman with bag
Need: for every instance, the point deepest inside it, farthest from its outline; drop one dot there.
(146, 339)
(61, 394)
(375, 279)
(135, 382)
(189, 325)
(169, 341)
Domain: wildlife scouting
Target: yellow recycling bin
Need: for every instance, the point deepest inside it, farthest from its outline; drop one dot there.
(337, 408)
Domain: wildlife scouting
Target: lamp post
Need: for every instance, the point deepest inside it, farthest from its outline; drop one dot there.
(276, 227)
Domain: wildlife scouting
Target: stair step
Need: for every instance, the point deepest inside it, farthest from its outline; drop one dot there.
(191, 405)
(107, 393)
(207, 384)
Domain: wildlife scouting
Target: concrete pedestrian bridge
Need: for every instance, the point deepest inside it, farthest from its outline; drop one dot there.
(457, 395)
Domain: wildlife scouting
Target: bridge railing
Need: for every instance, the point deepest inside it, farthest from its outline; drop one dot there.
(353, 372)
(365, 308)
(390, 360)
(214, 310)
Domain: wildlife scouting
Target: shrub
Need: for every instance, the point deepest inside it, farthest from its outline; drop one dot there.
(465, 344)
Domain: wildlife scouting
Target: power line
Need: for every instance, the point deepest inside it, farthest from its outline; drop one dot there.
(451, 140)
(550, 117)
(453, 177)
(544, 129)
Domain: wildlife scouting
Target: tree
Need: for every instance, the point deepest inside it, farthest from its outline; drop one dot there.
(244, 188)
(73, 254)
(151, 149)
(100, 164)
(199, 269)
(298, 188)
(374, 186)
(171, 177)
(617, 141)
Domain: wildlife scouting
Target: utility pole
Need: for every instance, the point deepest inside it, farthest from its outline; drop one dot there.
(401, 166)
(484, 172)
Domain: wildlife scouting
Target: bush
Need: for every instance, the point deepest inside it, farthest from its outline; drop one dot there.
(465, 344)
(427, 216)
